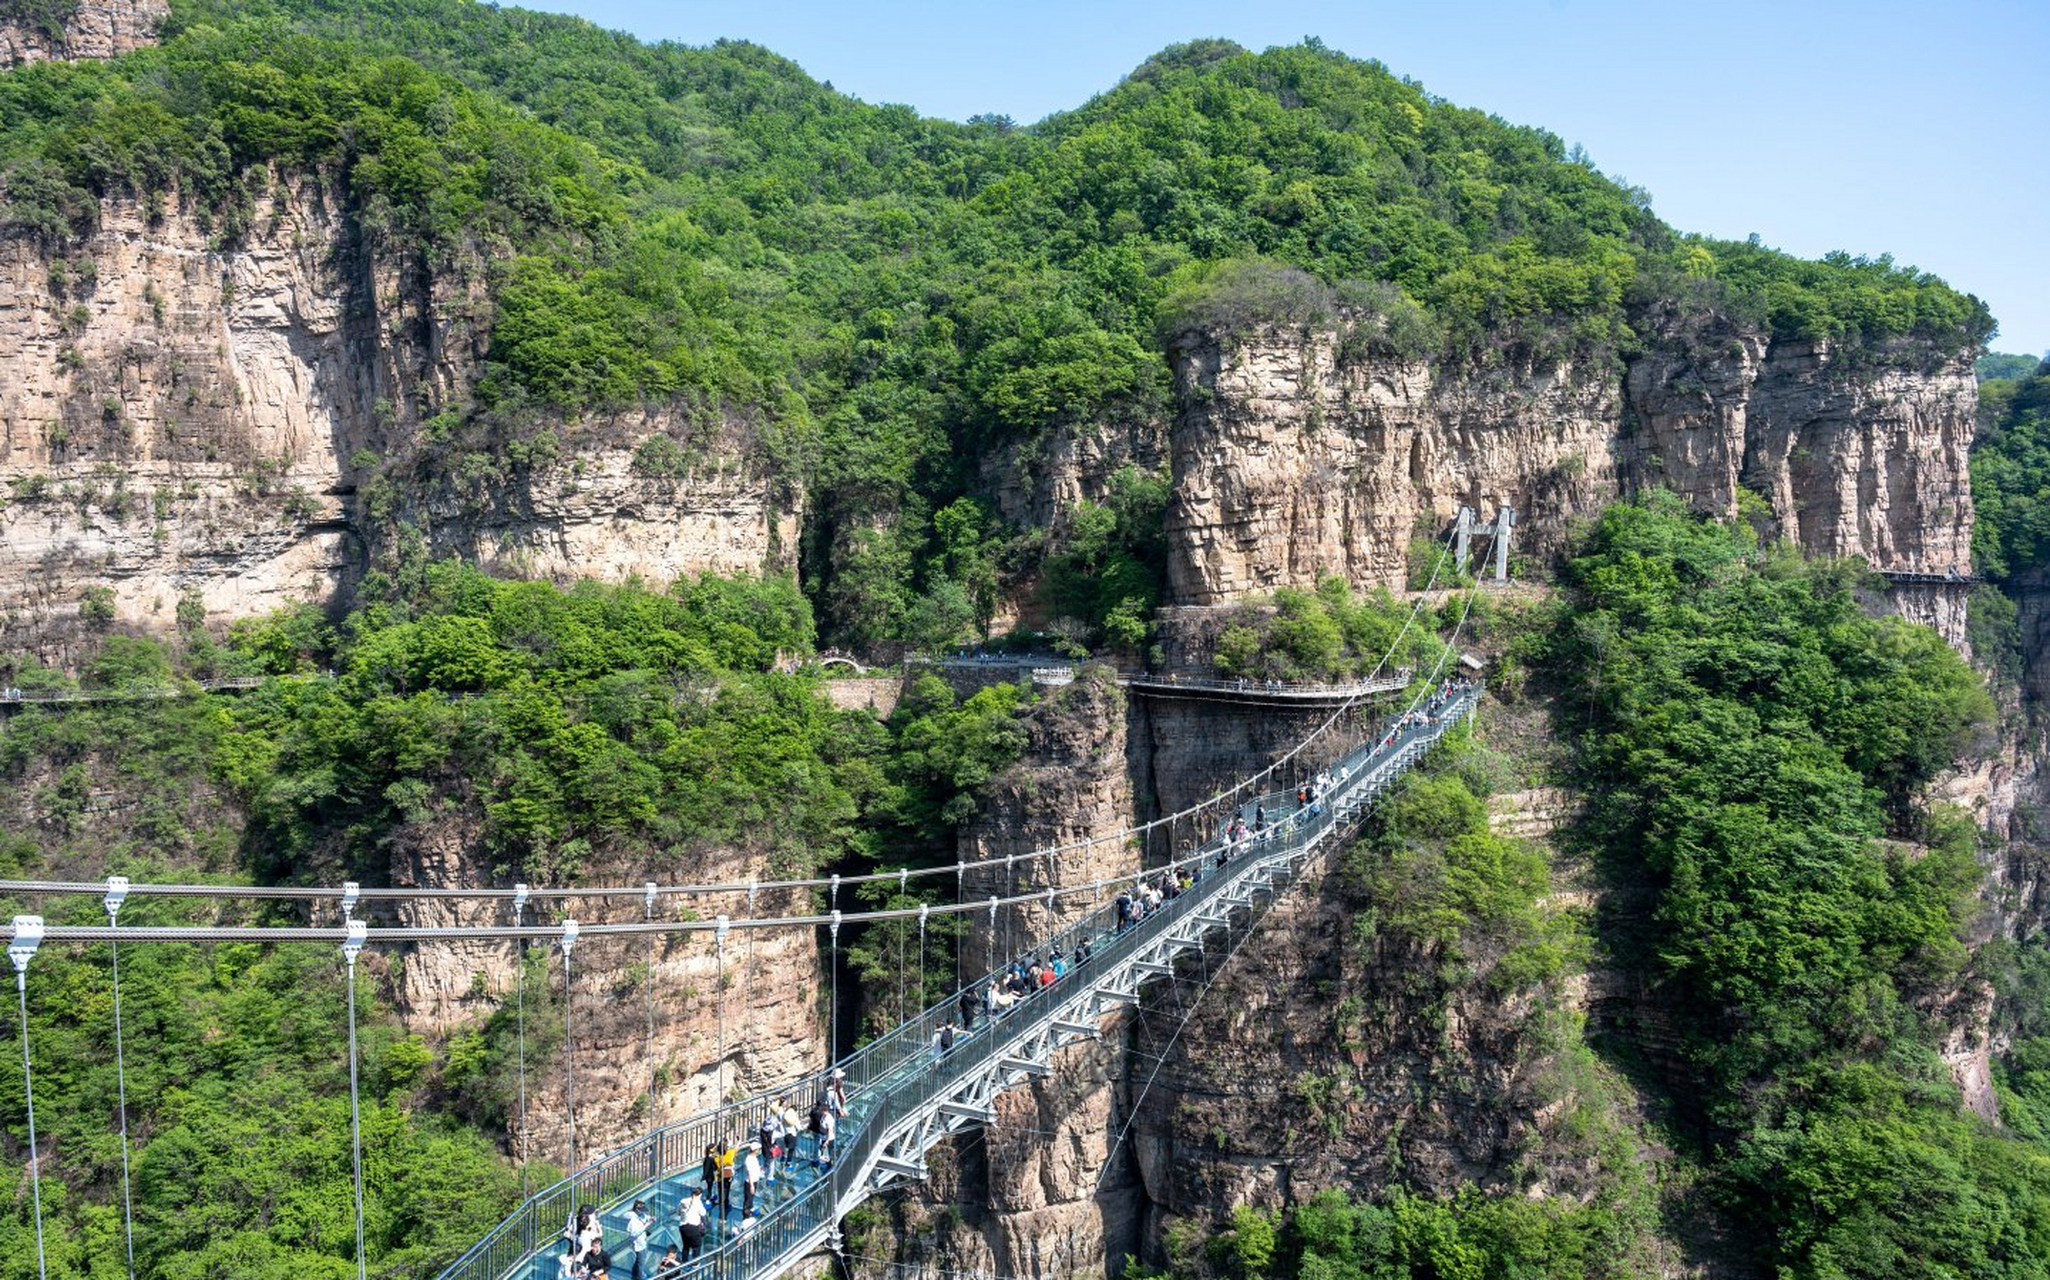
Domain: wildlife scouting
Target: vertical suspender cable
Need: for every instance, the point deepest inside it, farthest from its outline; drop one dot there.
(28, 934)
(350, 948)
(833, 978)
(833, 1001)
(569, 1041)
(1010, 913)
(898, 927)
(960, 934)
(719, 1004)
(747, 969)
(117, 893)
(989, 942)
(520, 1013)
(649, 890)
(922, 909)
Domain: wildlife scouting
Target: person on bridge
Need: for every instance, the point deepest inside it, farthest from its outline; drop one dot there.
(765, 1142)
(729, 1153)
(970, 1006)
(750, 1184)
(672, 1263)
(942, 1042)
(584, 1232)
(791, 1124)
(691, 1229)
(637, 1224)
(836, 1092)
(710, 1172)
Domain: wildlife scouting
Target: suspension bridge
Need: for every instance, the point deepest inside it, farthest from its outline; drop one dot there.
(933, 1075)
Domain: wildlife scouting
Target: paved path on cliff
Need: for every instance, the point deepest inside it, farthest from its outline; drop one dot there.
(902, 1100)
(1308, 693)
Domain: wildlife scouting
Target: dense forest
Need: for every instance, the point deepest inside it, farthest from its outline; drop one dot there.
(885, 302)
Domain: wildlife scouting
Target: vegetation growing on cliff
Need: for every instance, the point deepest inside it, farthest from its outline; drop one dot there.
(1755, 749)
(2011, 475)
(238, 1100)
(1327, 634)
(541, 728)
(889, 298)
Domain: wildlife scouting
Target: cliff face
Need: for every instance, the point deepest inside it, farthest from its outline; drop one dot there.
(176, 417)
(1290, 461)
(743, 1019)
(93, 29)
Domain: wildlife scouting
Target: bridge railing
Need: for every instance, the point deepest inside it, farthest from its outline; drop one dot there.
(893, 1078)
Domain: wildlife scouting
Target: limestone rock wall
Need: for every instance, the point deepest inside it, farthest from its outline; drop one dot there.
(1070, 787)
(1289, 462)
(737, 1023)
(179, 417)
(94, 29)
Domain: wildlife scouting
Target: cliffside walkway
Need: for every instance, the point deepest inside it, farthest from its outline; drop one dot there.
(1927, 577)
(1050, 671)
(902, 1100)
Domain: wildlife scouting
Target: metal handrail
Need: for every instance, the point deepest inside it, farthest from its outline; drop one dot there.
(891, 1080)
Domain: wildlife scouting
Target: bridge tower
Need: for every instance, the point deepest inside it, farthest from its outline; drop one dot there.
(1463, 529)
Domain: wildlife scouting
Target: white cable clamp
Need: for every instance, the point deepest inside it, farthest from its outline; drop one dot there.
(28, 935)
(359, 933)
(569, 937)
(520, 900)
(753, 884)
(117, 893)
(836, 928)
(725, 926)
(351, 892)
(923, 909)
(648, 898)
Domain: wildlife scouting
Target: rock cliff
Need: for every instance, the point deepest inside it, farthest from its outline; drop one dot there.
(181, 418)
(91, 29)
(1292, 457)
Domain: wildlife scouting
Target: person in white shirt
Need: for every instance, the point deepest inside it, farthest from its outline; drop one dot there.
(637, 1224)
(751, 1172)
(693, 1225)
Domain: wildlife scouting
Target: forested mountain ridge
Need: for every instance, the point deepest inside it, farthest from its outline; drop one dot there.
(534, 245)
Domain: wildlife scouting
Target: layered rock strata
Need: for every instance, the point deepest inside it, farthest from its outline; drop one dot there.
(726, 1023)
(1292, 459)
(184, 420)
(92, 29)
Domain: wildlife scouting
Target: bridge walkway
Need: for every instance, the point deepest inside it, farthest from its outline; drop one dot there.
(902, 1099)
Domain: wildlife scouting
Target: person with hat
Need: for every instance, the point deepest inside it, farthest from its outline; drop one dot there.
(750, 1182)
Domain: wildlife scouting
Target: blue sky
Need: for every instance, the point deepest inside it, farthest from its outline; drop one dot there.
(1910, 129)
